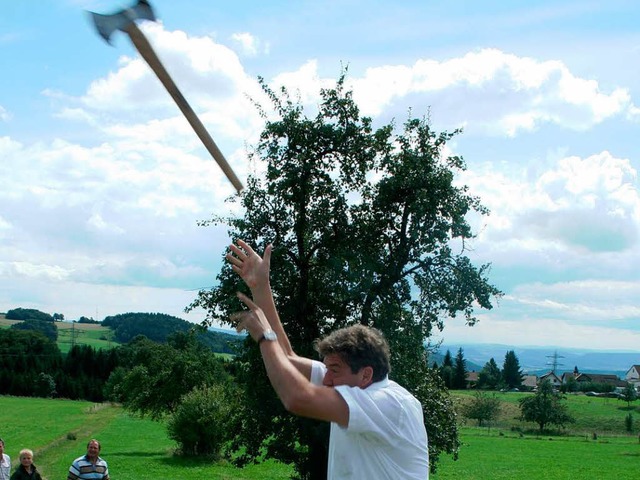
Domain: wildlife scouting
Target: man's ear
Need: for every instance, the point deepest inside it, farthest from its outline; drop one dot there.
(367, 377)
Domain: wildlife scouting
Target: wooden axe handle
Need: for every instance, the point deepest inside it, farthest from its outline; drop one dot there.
(147, 52)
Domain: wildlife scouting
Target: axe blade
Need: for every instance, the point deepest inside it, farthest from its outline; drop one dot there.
(107, 24)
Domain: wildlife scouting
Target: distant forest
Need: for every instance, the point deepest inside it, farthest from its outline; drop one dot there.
(31, 364)
(158, 327)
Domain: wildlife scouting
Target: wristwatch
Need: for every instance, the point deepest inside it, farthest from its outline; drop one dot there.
(268, 335)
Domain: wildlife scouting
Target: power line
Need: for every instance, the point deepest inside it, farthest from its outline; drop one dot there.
(554, 363)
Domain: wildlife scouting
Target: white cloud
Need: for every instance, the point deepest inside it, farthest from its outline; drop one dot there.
(596, 302)
(31, 270)
(540, 332)
(5, 116)
(203, 70)
(304, 83)
(590, 203)
(249, 44)
(499, 92)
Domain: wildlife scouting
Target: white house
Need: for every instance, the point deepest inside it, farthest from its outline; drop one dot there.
(633, 375)
(552, 377)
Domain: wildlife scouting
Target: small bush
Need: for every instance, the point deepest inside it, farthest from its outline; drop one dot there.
(201, 422)
(628, 422)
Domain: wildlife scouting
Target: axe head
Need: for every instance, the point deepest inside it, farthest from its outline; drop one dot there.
(107, 24)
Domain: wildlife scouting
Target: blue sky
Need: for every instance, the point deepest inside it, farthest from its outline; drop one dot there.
(104, 181)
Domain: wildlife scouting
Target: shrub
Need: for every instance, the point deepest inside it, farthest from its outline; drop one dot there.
(201, 423)
(628, 422)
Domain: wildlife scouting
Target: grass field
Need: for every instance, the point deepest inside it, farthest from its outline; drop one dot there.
(58, 430)
(135, 449)
(511, 449)
(592, 414)
(490, 455)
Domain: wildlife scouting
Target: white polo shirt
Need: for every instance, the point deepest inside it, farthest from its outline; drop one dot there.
(386, 437)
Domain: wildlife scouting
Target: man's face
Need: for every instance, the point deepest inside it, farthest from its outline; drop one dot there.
(93, 450)
(339, 373)
(1, 448)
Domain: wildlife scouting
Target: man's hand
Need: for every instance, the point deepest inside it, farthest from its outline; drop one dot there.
(253, 269)
(253, 321)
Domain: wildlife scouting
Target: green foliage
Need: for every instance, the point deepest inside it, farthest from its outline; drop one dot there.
(87, 320)
(460, 371)
(545, 407)
(159, 326)
(482, 408)
(203, 419)
(363, 224)
(28, 314)
(24, 354)
(45, 386)
(446, 370)
(511, 372)
(629, 394)
(153, 377)
(570, 386)
(32, 365)
(47, 328)
(628, 422)
(490, 376)
(597, 387)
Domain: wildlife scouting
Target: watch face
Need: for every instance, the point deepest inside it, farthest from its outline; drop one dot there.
(270, 335)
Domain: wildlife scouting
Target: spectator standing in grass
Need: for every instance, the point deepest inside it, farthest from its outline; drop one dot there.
(89, 466)
(26, 470)
(5, 463)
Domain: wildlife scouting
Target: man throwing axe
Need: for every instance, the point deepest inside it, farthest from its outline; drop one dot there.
(377, 426)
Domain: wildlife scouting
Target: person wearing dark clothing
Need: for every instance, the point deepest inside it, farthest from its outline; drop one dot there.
(26, 470)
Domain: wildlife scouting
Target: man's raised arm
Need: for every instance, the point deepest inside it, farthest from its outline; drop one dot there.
(254, 270)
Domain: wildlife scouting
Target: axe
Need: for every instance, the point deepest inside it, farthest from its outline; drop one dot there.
(125, 20)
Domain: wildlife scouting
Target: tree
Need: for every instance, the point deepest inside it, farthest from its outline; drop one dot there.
(88, 320)
(482, 408)
(28, 313)
(460, 371)
(203, 418)
(368, 226)
(629, 394)
(46, 328)
(490, 375)
(24, 356)
(511, 373)
(153, 377)
(446, 370)
(545, 407)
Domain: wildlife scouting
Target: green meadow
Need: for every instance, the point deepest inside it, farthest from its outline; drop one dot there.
(596, 446)
(497, 455)
(58, 430)
(79, 333)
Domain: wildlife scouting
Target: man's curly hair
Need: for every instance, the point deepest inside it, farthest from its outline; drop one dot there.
(359, 347)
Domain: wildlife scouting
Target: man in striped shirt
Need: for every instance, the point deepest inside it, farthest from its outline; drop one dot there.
(89, 466)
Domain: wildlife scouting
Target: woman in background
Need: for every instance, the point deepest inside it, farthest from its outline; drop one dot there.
(26, 470)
